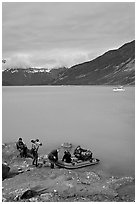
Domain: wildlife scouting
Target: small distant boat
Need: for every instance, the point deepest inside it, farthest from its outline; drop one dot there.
(66, 145)
(120, 88)
(76, 165)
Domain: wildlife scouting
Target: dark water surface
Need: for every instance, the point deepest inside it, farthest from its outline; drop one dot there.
(93, 116)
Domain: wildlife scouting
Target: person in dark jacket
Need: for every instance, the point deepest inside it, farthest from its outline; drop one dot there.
(67, 157)
(79, 152)
(21, 147)
(53, 157)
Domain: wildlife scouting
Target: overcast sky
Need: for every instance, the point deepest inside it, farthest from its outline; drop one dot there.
(63, 34)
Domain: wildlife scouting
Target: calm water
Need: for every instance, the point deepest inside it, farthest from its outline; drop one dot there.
(93, 116)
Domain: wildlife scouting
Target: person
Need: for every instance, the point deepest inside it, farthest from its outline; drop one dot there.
(34, 150)
(53, 157)
(67, 157)
(82, 154)
(21, 147)
(78, 151)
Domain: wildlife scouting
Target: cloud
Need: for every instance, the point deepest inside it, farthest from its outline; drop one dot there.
(47, 59)
(65, 32)
(17, 61)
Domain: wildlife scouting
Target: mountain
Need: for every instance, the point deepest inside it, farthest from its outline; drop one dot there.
(115, 67)
(30, 76)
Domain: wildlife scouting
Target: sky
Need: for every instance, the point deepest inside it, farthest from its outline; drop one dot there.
(56, 34)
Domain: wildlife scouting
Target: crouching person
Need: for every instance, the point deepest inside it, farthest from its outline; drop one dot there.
(53, 157)
(21, 147)
(67, 157)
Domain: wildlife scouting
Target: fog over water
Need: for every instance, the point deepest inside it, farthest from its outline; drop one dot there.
(93, 116)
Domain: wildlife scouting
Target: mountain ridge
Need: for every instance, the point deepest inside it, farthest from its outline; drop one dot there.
(104, 68)
(114, 67)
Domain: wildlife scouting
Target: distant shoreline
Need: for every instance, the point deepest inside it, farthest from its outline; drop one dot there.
(65, 85)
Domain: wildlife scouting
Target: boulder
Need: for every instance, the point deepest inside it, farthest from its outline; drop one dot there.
(5, 170)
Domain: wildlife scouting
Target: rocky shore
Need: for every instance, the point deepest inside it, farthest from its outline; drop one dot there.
(60, 185)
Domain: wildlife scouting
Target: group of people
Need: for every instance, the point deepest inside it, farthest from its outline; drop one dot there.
(79, 153)
(24, 151)
(83, 154)
(53, 157)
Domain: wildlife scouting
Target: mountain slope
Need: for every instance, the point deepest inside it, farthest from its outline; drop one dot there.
(112, 68)
(30, 76)
(115, 67)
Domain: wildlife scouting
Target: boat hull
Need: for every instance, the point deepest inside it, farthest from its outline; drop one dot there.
(76, 165)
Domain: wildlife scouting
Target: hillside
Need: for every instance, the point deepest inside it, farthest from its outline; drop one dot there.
(115, 67)
(30, 76)
(112, 68)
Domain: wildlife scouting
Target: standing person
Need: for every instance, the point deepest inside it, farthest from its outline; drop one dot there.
(53, 157)
(21, 147)
(34, 150)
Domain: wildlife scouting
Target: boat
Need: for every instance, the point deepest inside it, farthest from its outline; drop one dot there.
(120, 88)
(66, 145)
(77, 164)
